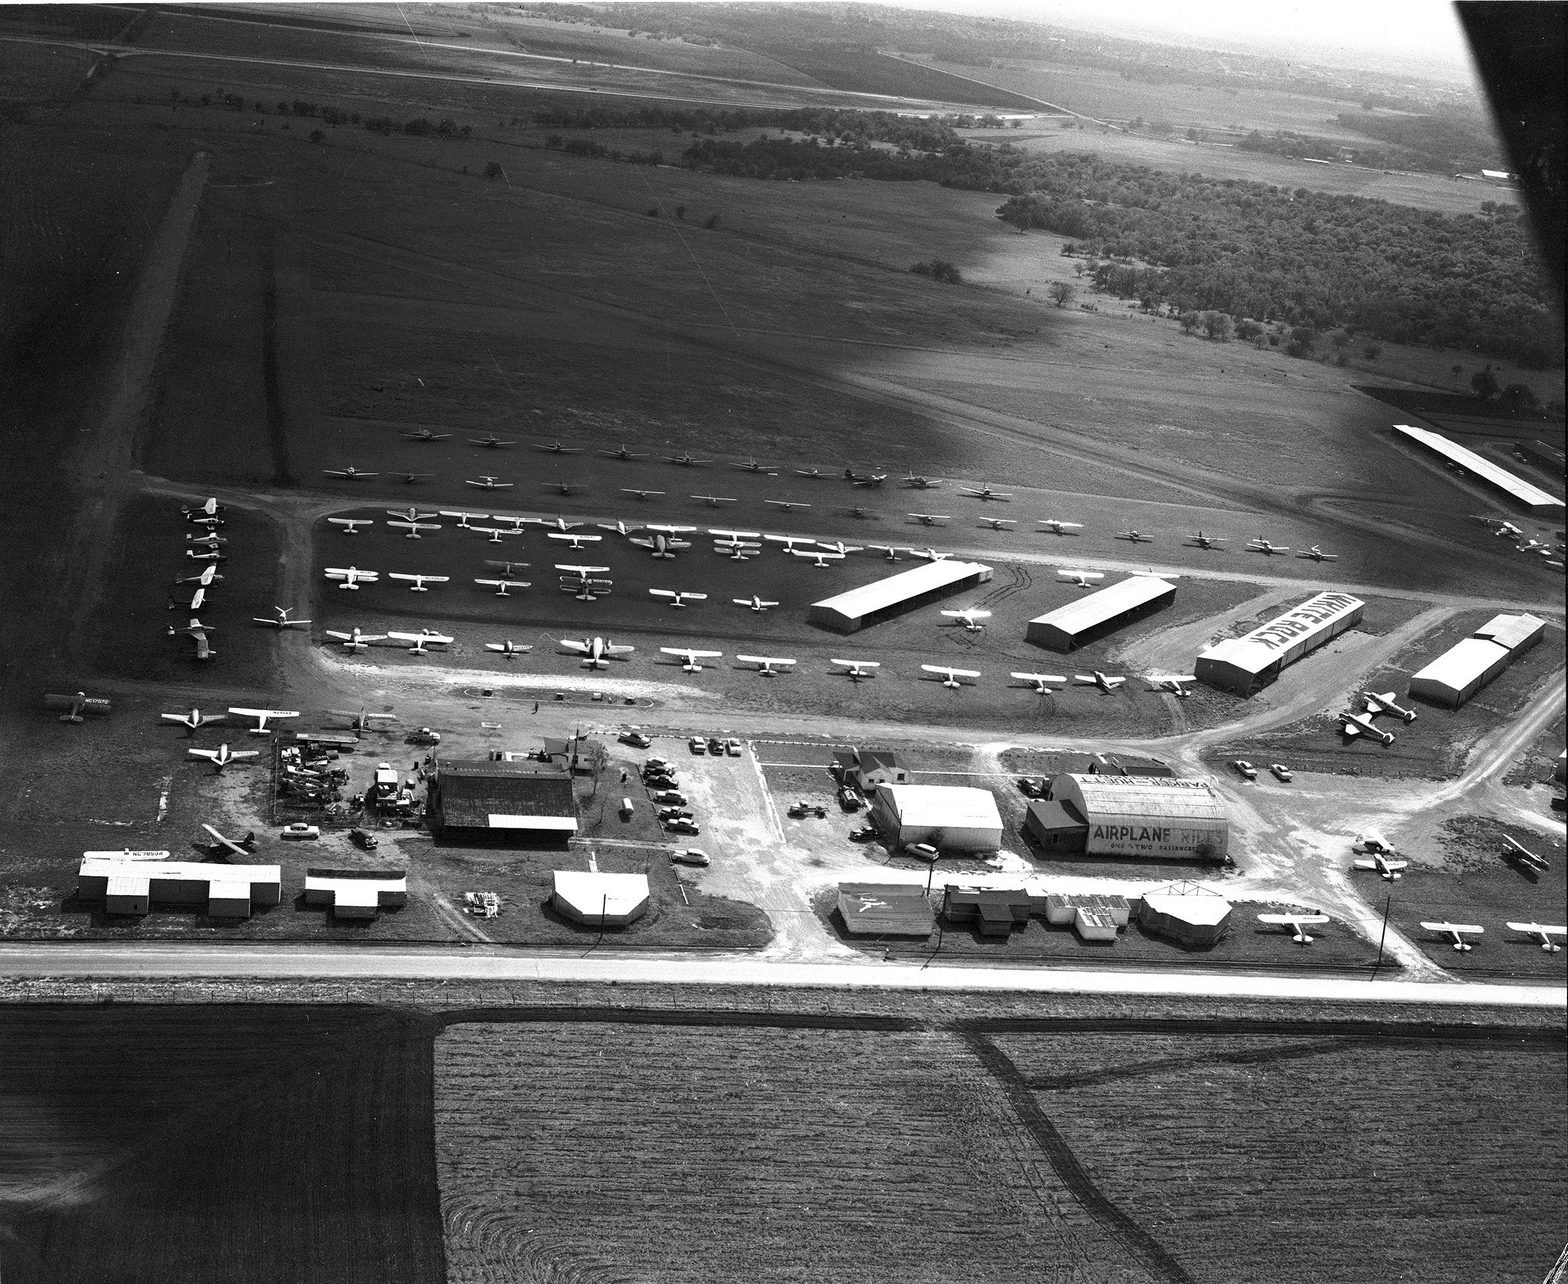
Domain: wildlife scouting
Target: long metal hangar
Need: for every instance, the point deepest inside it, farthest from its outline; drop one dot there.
(1523, 493)
(1468, 665)
(885, 598)
(1255, 659)
(1094, 616)
(524, 803)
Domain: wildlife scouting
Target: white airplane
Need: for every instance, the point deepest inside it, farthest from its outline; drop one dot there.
(1457, 932)
(1526, 857)
(765, 664)
(222, 756)
(491, 442)
(1058, 526)
(351, 577)
(424, 434)
(1384, 864)
(997, 523)
(864, 479)
(1379, 702)
(1261, 545)
(752, 466)
(1318, 555)
(495, 534)
(413, 528)
(1171, 682)
(355, 639)
(504, 587)
(888, 551)
(678, 597)
(858, 669)
(1544, 932)
(422, 640)
(508, 648)
(486, 482)
(690, 657)
(281, 619)
(819, 557)
(982, 492)
(411, 514)
(662, 541)
(1083, 579)
(507, 569)
(195, 718)
(973, 618)
(416, 583)
(724, 537)
(641, 494)
(222, 845)
(555, 448)
(197, 599)
(574, 538)
(815, 474)
(789, 541)
(623, 452)
(209, 540)
(208, 554)
(930, 519)
(208, 508)
(584, 578)
(197, 632)
(838, 546)
(351, 525)
(547, 523)
(261, 716)
(1360, 724)
(1041, 681)
(206, 578)
(916, 481)
(76, 705)
(928, 553)
(463, 517)
(787, 504)
(209, 523)
(1135, 536)
(686, 461)
(348, 473)
(738, 552)
(360, 721)
(950, 677)
(1298, 924)
(753, 602)
(1200, 540)
(597, 650)
(1105, 681)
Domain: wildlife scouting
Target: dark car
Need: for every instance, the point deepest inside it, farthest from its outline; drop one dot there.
(1031, 786)
(682, 827)
(715, 746)
(867, 834)
(636, 739)
(363, 839)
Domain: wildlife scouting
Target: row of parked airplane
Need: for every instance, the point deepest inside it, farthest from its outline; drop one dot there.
(1297, 922)
(1550, 549)
(204, 544)
(1374, 704)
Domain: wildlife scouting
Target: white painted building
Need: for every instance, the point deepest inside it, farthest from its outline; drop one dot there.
(954, 818)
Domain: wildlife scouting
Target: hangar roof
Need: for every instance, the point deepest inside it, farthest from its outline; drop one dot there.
(1462, 663)
(185, 871)
(592, 892)
(950, 806)
(1189, 903)
(505, 798)
(1095, 609)
(1254, 651)
(884, 909)
(897, 588)
(1512, 631)
(1499, 476)
(1106, 796)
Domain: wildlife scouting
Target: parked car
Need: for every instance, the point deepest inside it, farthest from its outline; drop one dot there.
(658, 773)
(691, 856)
(1281, 771)
(422, 736)
(715, 746)
(802, 809)
(1245, 769)
(682, 827)
(363, 839)
(923, 850)
(655, 763)
(697, 745)
(732, 747)
(674, 813)
(1031, 786)
(866, 834)
(670, 797)
(299, 829)
(848, 799)
(636, 739)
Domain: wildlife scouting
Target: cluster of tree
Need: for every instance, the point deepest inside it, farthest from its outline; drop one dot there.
(939, 270)
(1287, 143)
(828, 123)
(1447, 141)
(849, 157)
(588, 147)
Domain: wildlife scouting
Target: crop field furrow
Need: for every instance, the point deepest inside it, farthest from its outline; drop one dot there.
(1093, 1078)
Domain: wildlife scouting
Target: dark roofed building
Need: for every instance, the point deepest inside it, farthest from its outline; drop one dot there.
(993, 911)
(1127, 765)
(885, 909)
(529, 804)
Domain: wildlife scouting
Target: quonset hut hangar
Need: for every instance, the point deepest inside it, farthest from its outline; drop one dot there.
(885, 598)
(1094, 616)
(1145, 817)
(1255, 659)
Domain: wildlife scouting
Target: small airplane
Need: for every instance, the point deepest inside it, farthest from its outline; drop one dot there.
(361, 720)
(1318, 555)
(281, 619)
(411, 514)
(662, 541)
(1058, 526)
(864, 479)
(207, 509)
(508, 569)
(691, 657)
(789, 541)
(222, 756)
(641, 494)
(950, 676)
(351, 577)
(597, 650)
(556, 448)
(928, 554)
(1135, 536)
(548, 523)
(408, 478)
(686, 461)
(197, 632)
(838, 546)
(787, 505)
(1083, 579)
(1457, 932)
(413, 528)
(197, 599)
(504, 587)
(582, 574)
(678, 597)
(1200, 540)
(917, 481)
(765, 664)
(1170, 682)
(490, 442)
(424, 434)
(1297, 923)
(495, 534)
(753, 603)
(857, 669)
(1040, 681)
(209, 540)
(422, 640)
(206, 578)
(222, 845)
(1268, 549)
(210, 523)
(486, 482)
(623, 452)
(819, 557)
(207, 555)
(713, 501)
(1105, 681)
(562, 487)
(1526, 857)
(1386, 867)
(929, 519)
(356, 639)
(195, 718)
(77, 705)
(972, 618)
(508, 648)
(416, 583)
(1360, 724)
(888, 551)
(738, 552)
(586, 590)
(348, 473)
(1543, 932)
(1380, 702)
(816, 474)
(752, 466)
(463, 517)
(574, 538)
(982, 492)
(997, 523)
(262, 716)
(726, 538)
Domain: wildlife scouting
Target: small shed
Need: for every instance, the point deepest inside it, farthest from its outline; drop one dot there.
(994, 911)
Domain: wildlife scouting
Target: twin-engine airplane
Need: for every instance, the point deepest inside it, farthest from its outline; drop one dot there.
(662, 541)
(598, 651)
(1361, 724)
(222, 756)
(1379, 702)
(1297, 923)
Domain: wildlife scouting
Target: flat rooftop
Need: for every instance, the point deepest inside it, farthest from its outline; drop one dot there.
(1530, 495)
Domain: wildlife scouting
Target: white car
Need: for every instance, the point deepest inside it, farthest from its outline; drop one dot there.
(299, 829)
(691, 856)
(923, 850)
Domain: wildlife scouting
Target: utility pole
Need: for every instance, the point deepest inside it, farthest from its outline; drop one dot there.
(1382, 936)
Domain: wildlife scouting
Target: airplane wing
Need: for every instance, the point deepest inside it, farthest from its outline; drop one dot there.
(210, 754)
(1038, 677)
(698, 655)
(574, 539)
(641, 543)
(614, 648)
(582, 648)
(440, 639)
(418, 579)
(858, 664)
(1471, 928)
(1295, 920)
(1540, 929)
